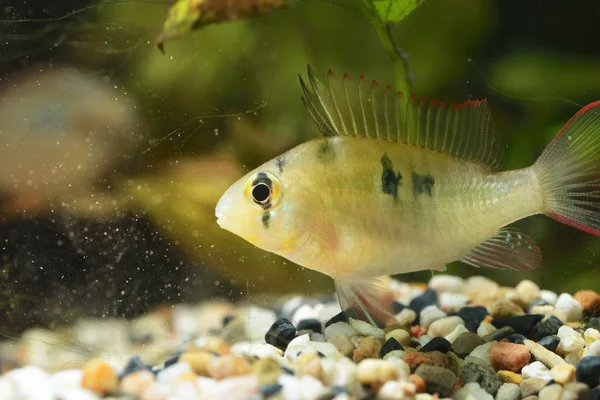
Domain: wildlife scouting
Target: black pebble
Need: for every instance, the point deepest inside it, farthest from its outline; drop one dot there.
(550, 342)
(281, 333)
(473, 316)
(588, 371)
(311, 324)
(428, 298)
(522, 324)
(516, 338)
(549, 327)
(414, 344)
(339, 317)
(227, 319)
(397, 307)
(270, 389)
(391, 345)
(287, 370)
(499, 334)
(172, 360)
(437, 344)
(595, 395)
(134, 364)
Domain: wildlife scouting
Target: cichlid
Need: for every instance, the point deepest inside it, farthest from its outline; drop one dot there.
(397, 185)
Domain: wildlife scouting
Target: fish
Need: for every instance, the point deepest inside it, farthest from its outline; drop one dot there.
(399, 184)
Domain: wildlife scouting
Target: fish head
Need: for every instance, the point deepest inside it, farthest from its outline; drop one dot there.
(268, 207)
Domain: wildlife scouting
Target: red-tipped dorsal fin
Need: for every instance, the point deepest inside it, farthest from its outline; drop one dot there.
(399, 94)
(330, 73)
(374, 84)
(347, 76)
(388, 89)
(413, 97)
(423, 100)
(433, 103)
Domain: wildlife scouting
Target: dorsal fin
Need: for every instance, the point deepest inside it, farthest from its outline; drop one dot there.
(360, 109)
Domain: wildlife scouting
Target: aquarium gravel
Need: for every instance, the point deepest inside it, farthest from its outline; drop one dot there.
(454, 338)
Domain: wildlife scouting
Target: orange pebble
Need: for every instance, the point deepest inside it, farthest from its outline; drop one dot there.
(420, 385)
(99, 377)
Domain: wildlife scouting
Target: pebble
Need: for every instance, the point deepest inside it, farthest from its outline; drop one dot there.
(531, 386)
(550, 342)
(509, 356)
(310, 324)
(516, 338)
(406, 317)
(17, 384)
(281, 333)
(400, 335)
(342, 343)
(551, 392)
(569, 307)
(390, 345)
(452, 301)
(481, 354)
(438, 380)
(536, 370)
(522, 324)
(472, 391)
(549, 326)
(508, 391)
(197, 360)
(595, 394)
(452, 336)
(365, 329)
(430, 314)
(505, 308)
(99, 377)
(588, 371)
(428, 298)
(547, 357)
(444, 326)
(589, 300)
(375, 372)
(270, 389)
(339, 317)
(575, 391)
(485, 376)
(368, 347)
(590, 336)
(570, 339)
(485, 328)
(510, 377)
(267, 370)
(227, 366)
(134, 364)
(136, 382)
(446, 283)
(548, 296)
(499, 334)
(340, 327)
(527, 291)
(563, 373)
(473, 316)
(593, 349)
(437, 344)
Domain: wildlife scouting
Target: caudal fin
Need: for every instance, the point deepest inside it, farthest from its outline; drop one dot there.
(569, 172)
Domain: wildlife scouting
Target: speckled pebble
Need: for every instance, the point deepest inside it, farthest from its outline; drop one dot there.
(368, 347)
(438, 379)
(531, 386)
(508, 391)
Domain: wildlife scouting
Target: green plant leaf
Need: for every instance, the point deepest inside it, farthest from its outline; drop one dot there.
(392, 11)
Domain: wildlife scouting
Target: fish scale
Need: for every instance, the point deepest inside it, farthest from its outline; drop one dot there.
(396, 185)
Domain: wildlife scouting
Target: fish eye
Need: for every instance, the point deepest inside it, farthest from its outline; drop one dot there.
(261, 193)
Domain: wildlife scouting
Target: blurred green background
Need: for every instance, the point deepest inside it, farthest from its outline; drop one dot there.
(138, 230)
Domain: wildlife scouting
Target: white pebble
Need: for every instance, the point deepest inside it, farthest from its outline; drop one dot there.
(451, 337)
(340, 327)
(593, 349)
(549, 296)
(168, 374)
(472, 390)
(244, 386)
(570, 339)
(327, 311)
(485, 328)
(186, 390)
(536, 370)
(406, 316)
(590, 336)
(443, 283)
(63, 381)
(77, 394)
(569, 307)
(481, 284)
(527, 291)
(327, 349)
(266, 350)
(30, 383)
(303, 312)
(397, 390)
(344, 372)
(259, 320)
(429, 315)
(452, 301)
(365, 329)
(444, 326)
(296, 346)
(572, 358)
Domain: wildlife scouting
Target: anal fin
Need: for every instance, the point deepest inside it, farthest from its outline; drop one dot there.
(365, 299)
(507, 249)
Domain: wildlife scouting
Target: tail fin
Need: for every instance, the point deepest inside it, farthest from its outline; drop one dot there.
(569, 172)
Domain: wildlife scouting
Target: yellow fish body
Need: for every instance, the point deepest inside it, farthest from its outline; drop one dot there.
(395, 186)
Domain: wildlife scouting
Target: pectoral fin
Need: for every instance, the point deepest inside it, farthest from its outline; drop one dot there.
(507, 249)
(365, 299)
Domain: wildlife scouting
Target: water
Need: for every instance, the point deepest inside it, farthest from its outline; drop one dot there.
(113, 155)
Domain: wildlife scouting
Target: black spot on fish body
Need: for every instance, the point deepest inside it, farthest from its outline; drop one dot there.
(389, 179)
(422, 183)
(326, 152)
(266, 218)
(280, 163)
